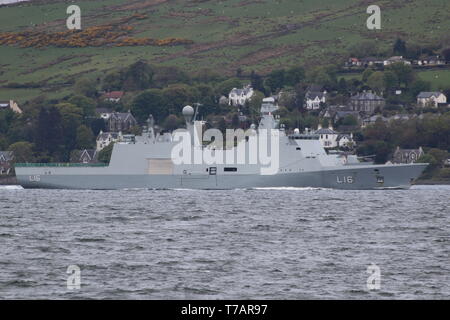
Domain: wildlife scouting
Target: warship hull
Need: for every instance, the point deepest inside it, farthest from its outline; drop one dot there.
(102, 178)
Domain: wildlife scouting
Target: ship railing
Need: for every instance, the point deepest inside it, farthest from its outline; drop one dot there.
(61, 164)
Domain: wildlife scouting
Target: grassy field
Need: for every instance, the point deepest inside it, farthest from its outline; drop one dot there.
(229, 34)
(440, 79)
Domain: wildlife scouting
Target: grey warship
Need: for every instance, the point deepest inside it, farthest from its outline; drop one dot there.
(147, 161)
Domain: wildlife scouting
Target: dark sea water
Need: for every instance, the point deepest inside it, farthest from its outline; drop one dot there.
(240, 244)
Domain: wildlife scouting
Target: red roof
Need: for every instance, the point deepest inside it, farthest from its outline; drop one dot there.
(114, 95)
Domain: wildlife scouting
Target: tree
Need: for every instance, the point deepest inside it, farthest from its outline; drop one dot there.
(113, 81)
(446, 54)
(419, 86)
(138, 76)
(376, 81)
(404, 73)
(86, 87)
(390, 80)
(177, 96)
(399, 48)
(342, 86)
(171, 122)
(224, 87)
(71, 116)
(48, 134)
(366, 74)
(149, 102)
(105, 154)
(294, 76)
(275, 80)
(87, 105)
(23, 151)
(85, 138)
(257, 82)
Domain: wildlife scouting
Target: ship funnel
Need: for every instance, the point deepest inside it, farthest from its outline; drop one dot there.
(188, 113)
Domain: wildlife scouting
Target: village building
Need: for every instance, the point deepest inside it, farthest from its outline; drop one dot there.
(5, 105)
(104, 139)
(431, 61)
(371, 62)
(372, 120)
(345, 141)
(353, 62)
(315, 97)
(407, 155)
(238, 97)
(84, 156)
(396, 59)
(330, 139)
(121, 121)
(431, 99)
(367, 102)
(314, 100)
(113, 96)
(6, 162)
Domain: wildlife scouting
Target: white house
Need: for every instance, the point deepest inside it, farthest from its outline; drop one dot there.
(345, 141)
(332, 139)
(327, 137)
(104, 139)
(314, 99)
(425, 99)
(238, 97)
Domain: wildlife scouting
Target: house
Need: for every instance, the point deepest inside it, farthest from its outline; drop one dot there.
(4, 105)
(330, 111)
(431, 61)
(121, 121)
(314, 97)
(238, 97)
(113, 96)
(104, 113)
(396, 59)
(371, 62)
(345, 141)
(407, 155)
(6, 159)
(314, 100)
(104, 139)
(366, 102)
(329, 138)
(353, 62)
(431, 99)
(84, 156)
(372, 120)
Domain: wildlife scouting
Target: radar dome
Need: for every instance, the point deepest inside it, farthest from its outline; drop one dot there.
(188, 111)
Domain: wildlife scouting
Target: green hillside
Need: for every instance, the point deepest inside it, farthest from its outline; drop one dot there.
(226, 35)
